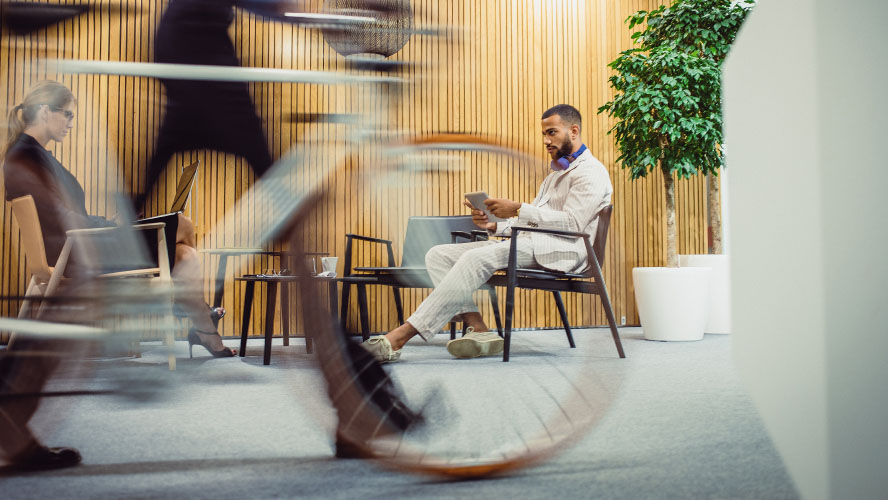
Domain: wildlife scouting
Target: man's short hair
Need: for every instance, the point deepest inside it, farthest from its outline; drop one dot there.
(568, 113)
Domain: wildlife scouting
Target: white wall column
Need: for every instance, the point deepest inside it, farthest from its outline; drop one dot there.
(806, 123)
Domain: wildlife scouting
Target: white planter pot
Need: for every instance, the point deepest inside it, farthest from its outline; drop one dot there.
(719, 289)
(672, 302)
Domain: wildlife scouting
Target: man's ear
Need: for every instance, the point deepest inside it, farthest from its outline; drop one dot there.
(574, 131)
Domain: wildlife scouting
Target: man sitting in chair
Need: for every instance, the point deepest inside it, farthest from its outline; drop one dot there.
(571, 196)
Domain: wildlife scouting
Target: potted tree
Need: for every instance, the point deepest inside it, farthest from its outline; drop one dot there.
(668, 107)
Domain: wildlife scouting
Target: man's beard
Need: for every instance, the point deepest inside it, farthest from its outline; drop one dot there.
(565, 150)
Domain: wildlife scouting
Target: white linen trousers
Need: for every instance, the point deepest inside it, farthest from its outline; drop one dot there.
(457, 270)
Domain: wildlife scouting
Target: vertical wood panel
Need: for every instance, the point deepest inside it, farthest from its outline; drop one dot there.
(507, 63)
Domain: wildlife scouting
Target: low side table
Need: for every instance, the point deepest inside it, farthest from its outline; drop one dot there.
(225, 253)
(272, 283)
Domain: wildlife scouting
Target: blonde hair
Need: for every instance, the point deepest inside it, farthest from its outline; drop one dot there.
(50, 93)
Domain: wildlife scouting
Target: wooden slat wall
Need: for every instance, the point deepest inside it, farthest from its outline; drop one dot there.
(506, 63)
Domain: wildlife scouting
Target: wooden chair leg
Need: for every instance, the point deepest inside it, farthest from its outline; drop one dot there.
(605, 301)
(510, 308)
(56, 277)
(219, 287)
(453, 327)
(343, 301)
(399, 308)
(169, 334)
(494, 303)
(33, 288)
(169, 341)
(564, 321)
(365, 314)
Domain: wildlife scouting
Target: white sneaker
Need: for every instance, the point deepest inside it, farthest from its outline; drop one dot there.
(381, 349)
(474, 344)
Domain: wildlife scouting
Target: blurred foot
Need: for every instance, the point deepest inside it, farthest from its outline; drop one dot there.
(381, 349)
(348, 449)
(42, 458)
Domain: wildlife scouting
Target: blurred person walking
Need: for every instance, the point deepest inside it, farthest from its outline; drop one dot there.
(46, 115)
(201, 114)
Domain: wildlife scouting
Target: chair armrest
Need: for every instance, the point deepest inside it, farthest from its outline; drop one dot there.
(591, 258)
(460, 234)
(89, 230)
(349, 236)
(480, 235)
(558, 232)
(163, 268)
(98, 230)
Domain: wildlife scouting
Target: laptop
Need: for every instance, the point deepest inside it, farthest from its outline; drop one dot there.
(171, 218)
(183, 193)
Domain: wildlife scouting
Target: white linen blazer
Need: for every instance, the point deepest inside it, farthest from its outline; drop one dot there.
(568, 200)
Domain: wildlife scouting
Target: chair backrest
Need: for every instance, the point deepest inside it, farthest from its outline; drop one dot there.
(424, 232)
(25, 212)
(598, 246)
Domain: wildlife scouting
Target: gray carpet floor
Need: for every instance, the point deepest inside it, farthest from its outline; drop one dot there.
(671, 421)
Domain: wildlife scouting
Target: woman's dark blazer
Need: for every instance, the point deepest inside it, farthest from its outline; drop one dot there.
(29, 169)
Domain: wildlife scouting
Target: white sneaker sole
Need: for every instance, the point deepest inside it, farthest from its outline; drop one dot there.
(471, 348)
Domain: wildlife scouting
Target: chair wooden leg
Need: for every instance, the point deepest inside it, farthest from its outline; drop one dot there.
(510, 309)
(33, 288)
(399, 308)
(365, 314)
(170, 341)
(605, 301)
(465, 327)
(494, 303)
(343, 301)
(169, 333)
(564, 321)
(245, 321)
(219, 287)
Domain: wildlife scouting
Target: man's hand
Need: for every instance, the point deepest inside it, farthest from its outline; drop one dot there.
(480, 218)
(502, 207)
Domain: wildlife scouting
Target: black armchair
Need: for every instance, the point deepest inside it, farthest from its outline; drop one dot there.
(423, 232)
(362, 280)
(590, 281)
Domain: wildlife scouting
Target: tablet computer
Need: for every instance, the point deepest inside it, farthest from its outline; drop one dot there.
(477, 200)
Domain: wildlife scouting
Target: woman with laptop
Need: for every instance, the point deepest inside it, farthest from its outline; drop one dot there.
(46, 115)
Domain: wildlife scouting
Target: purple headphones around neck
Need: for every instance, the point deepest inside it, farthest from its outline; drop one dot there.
(564, 162)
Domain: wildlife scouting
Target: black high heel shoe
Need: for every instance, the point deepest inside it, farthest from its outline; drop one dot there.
(216, 313)
(194, 338)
